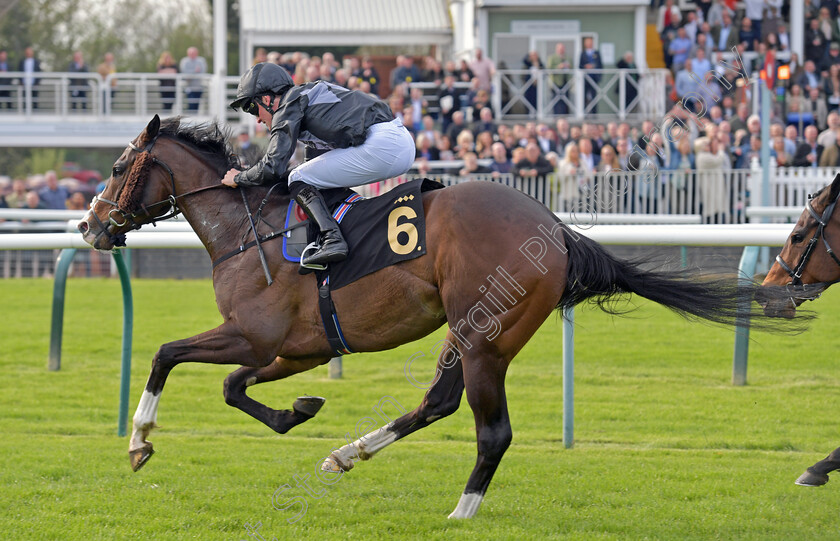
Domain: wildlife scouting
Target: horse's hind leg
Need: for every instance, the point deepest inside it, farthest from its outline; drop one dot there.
(817, 475)
(442, 399)
(280, 421)
(495, 340)
(484, 375)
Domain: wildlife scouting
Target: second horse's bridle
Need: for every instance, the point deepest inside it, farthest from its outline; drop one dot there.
(822, 222)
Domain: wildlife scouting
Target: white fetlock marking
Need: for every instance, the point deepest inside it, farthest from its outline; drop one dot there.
(144, 418)
(362, 449)
(377, 440)
(346, 456)
(467, 506)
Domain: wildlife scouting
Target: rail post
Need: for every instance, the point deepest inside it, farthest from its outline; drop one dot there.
(746, 270)
(62, 267)
(128, 325)
(568, 377)
(335, 368)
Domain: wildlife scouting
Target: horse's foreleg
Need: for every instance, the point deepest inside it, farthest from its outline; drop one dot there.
(817, 475)
(442, 399)
(304, 408)
(222, 345)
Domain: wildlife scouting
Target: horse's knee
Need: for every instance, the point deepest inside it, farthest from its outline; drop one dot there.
(165, 357)
(233, 388)
(228, 393)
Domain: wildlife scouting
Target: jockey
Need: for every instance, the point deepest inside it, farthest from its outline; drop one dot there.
(362, 140)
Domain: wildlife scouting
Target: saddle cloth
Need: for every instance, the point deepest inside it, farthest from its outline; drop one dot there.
(380, 231)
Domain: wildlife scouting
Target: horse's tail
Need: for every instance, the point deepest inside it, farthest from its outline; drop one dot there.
(594, 274)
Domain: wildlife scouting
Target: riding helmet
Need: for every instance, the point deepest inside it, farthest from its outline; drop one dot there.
(263, 78)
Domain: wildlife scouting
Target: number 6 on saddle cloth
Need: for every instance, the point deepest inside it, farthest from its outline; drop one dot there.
(379, 232)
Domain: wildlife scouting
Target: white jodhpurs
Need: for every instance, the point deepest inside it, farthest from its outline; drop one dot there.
(388, 151)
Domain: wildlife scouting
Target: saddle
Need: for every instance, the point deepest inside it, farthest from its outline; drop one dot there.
(380, 231)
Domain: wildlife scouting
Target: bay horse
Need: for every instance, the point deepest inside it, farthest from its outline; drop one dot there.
(498, 263)
(807, 265)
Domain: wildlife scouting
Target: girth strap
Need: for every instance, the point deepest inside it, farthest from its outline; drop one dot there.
(329, 318)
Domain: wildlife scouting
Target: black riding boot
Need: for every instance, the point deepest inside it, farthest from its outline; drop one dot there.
(333, 247)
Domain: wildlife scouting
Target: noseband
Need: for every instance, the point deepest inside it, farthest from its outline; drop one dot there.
(822, 221)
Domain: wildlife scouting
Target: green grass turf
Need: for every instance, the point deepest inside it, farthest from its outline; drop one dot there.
(665, 447)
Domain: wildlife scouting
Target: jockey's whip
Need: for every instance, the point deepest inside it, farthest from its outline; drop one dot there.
(256, 237)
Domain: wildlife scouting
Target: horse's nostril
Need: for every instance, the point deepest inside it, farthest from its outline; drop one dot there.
(83, 227)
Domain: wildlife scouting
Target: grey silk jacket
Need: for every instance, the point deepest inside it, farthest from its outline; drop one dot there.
(321, 115)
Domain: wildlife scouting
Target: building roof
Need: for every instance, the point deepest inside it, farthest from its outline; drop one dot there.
(345, 22)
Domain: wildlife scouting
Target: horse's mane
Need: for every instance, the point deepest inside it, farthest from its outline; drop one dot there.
(208, 138)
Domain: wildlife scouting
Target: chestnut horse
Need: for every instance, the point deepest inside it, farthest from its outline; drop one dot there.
(806, 266)
(498, 263)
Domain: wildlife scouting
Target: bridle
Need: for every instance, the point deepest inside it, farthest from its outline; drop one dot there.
(172, 209)
(822, 222)
(116, 214)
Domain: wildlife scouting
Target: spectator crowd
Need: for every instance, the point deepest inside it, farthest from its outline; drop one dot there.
(696, 42)
(461, 135)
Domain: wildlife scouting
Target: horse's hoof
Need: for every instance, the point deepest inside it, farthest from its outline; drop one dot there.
(812, 479)
(308, 405)
(140, 456)
(335, 464)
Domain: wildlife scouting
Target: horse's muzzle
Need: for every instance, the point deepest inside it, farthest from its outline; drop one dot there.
(774, 307)
(781, 301)
(102, 239)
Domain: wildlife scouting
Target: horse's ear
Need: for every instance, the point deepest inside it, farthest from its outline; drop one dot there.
(835, 189)
(152, 129)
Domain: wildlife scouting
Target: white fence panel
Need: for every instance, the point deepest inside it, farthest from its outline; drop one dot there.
(791, 186)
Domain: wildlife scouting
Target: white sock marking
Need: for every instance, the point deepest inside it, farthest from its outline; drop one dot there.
(467, 506)
(146, 415)
(377, 440)
(365, 447)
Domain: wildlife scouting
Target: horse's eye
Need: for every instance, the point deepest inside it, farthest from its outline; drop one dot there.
(118, 170)
(796, 238)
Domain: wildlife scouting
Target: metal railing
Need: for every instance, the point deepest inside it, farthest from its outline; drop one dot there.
(717, 196)
(721, 196)
(119, 96)
(604, 94)
(518, 95)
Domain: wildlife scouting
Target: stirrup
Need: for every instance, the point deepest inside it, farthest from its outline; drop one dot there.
(314, 247)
